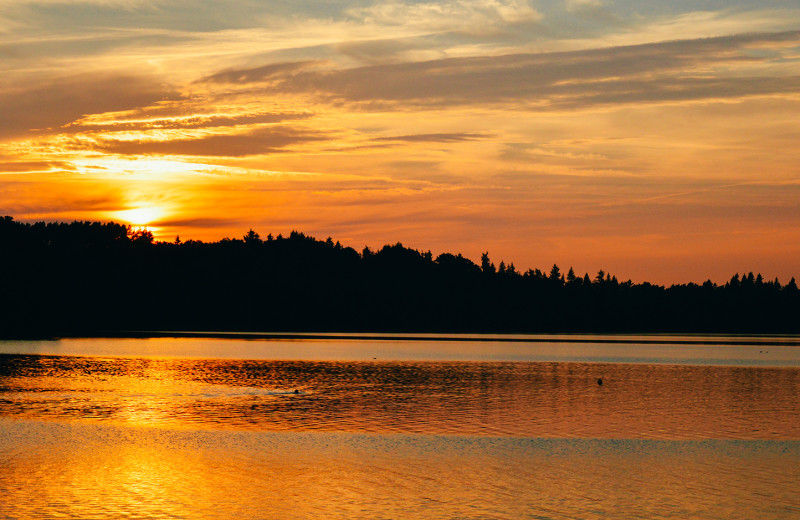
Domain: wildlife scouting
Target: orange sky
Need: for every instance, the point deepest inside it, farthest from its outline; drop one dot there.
(658, 142)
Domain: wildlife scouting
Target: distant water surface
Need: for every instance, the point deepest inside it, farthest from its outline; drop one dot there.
(650, 349)
(231, 428)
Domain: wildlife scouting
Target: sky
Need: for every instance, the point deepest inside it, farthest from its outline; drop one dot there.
(659, 141)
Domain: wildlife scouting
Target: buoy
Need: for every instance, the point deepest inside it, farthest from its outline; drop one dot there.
(600, 381)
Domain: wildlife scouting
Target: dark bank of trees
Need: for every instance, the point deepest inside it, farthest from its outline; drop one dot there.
(101, 278)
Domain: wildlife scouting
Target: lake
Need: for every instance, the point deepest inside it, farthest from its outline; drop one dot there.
(387, 426)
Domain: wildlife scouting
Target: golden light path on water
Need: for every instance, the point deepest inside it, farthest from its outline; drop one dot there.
(103, 472)
(89, 433)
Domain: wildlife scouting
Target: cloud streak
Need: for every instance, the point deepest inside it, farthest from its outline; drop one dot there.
(177, 122)
(259, 74)
(260, 141)
(63, 100)
(435, 138)
(669, 71)
(471, 16)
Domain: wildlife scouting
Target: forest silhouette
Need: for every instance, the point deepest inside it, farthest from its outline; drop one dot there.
(93, 278)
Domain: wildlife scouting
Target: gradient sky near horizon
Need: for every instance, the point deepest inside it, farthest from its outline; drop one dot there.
(659, 141)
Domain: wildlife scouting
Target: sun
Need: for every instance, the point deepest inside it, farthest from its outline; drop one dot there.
(142, 216)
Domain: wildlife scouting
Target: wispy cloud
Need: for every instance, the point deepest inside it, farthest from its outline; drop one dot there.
(130, 122)
(457, 137)
(577, 5)
(450, 15)
(17, 167)
(63, 100)
(259, 74)
(271, 139)
(668, 71)
(194, 223)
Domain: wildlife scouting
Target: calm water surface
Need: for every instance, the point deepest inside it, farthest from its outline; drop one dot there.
(358, 428)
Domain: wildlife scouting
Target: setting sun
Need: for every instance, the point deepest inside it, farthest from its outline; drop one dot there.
(138, 217)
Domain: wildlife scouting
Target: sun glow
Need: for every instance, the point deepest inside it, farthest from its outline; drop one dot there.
(139, 217)
(143, 167)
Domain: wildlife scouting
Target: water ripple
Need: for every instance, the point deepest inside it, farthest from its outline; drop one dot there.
(494, 399)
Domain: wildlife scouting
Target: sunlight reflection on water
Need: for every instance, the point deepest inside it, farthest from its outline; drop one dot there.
(476, 398)
(111, 436)
(111, 472)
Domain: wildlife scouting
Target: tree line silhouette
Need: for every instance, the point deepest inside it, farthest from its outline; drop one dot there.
(93, 278)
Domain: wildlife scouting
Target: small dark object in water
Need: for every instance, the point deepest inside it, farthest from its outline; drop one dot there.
(600, 381)
(296, 391)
